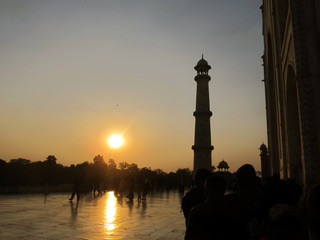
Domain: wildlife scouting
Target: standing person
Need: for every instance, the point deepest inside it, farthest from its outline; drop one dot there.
(76, 186)
(196, 195)
(138, 188)
(244, 205)
(206, 220)
(145, 189)
(131, 185)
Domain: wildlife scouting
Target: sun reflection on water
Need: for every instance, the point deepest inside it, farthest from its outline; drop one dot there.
(110, 214)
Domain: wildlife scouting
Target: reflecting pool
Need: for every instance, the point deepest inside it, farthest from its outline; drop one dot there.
(110, 213)
(36, 216)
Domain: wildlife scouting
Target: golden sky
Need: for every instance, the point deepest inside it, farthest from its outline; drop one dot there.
(73, 72)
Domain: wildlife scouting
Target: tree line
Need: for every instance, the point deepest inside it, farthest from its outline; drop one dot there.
(98, 175)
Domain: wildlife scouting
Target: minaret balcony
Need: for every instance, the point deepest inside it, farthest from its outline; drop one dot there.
(202, 113)
(208, 148)
(202, 77)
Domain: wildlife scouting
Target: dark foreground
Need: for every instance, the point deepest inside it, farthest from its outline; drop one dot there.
(103, 217)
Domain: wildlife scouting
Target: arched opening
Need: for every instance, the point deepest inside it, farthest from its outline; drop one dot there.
(272, 111)
(293, 127)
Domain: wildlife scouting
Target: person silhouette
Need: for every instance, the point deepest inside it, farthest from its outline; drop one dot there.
(206, 220)
(131, 185)
(76, 186)
(196, 194)
(242, 206)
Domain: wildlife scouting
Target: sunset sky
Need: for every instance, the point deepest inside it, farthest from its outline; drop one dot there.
(73, 72)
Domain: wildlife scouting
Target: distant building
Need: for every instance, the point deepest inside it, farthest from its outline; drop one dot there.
(291, 31)
(202, 140)
(223, 166)
(223, 171)
(265, 164)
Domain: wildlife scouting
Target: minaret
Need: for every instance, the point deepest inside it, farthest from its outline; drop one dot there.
(265, 166)
(202, 140)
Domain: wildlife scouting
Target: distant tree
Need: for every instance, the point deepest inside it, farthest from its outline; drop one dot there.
(51, 170)
(18, 172)
(124, 165)
(146, 172)
(133, 168)
(184, 172)
(184, 175)
(159, 179)
(39, 173)
(86, 170)
(99, 171)
(98, 174)
(51, 160)
(112, 164)
(98, 160)
(20, 161)
(3, 172)
(112, 178)
(159, 171)
(3, 163)
(83, 165)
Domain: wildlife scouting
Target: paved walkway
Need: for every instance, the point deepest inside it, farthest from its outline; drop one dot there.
(103, 217)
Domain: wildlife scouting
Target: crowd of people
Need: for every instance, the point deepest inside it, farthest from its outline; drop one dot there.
(126, 188)
(272, 209)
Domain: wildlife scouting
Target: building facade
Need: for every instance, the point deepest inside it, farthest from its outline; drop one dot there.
(291, 60)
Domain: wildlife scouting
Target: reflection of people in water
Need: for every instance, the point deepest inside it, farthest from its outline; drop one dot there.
(130, 205)
(74, 212)
(74, 209)
(143, 205)
(121, 188)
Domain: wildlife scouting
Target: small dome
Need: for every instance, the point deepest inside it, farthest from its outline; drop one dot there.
(223, 164)
(202, 62)
(263, 149)
(263, 146)
(202, 66)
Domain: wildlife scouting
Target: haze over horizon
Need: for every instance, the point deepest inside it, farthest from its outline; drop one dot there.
(74, 72)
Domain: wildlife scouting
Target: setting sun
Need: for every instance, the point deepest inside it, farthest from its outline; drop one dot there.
(115, 141)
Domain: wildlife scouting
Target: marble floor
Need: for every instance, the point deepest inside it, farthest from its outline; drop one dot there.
(35, 216)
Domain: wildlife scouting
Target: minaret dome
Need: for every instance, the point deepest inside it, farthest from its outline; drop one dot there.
(202, 66)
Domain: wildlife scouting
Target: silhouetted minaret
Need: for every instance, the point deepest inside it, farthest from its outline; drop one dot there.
(265, 165)
(202, 140)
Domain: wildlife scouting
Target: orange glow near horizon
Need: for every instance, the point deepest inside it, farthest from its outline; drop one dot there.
(110, 214)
